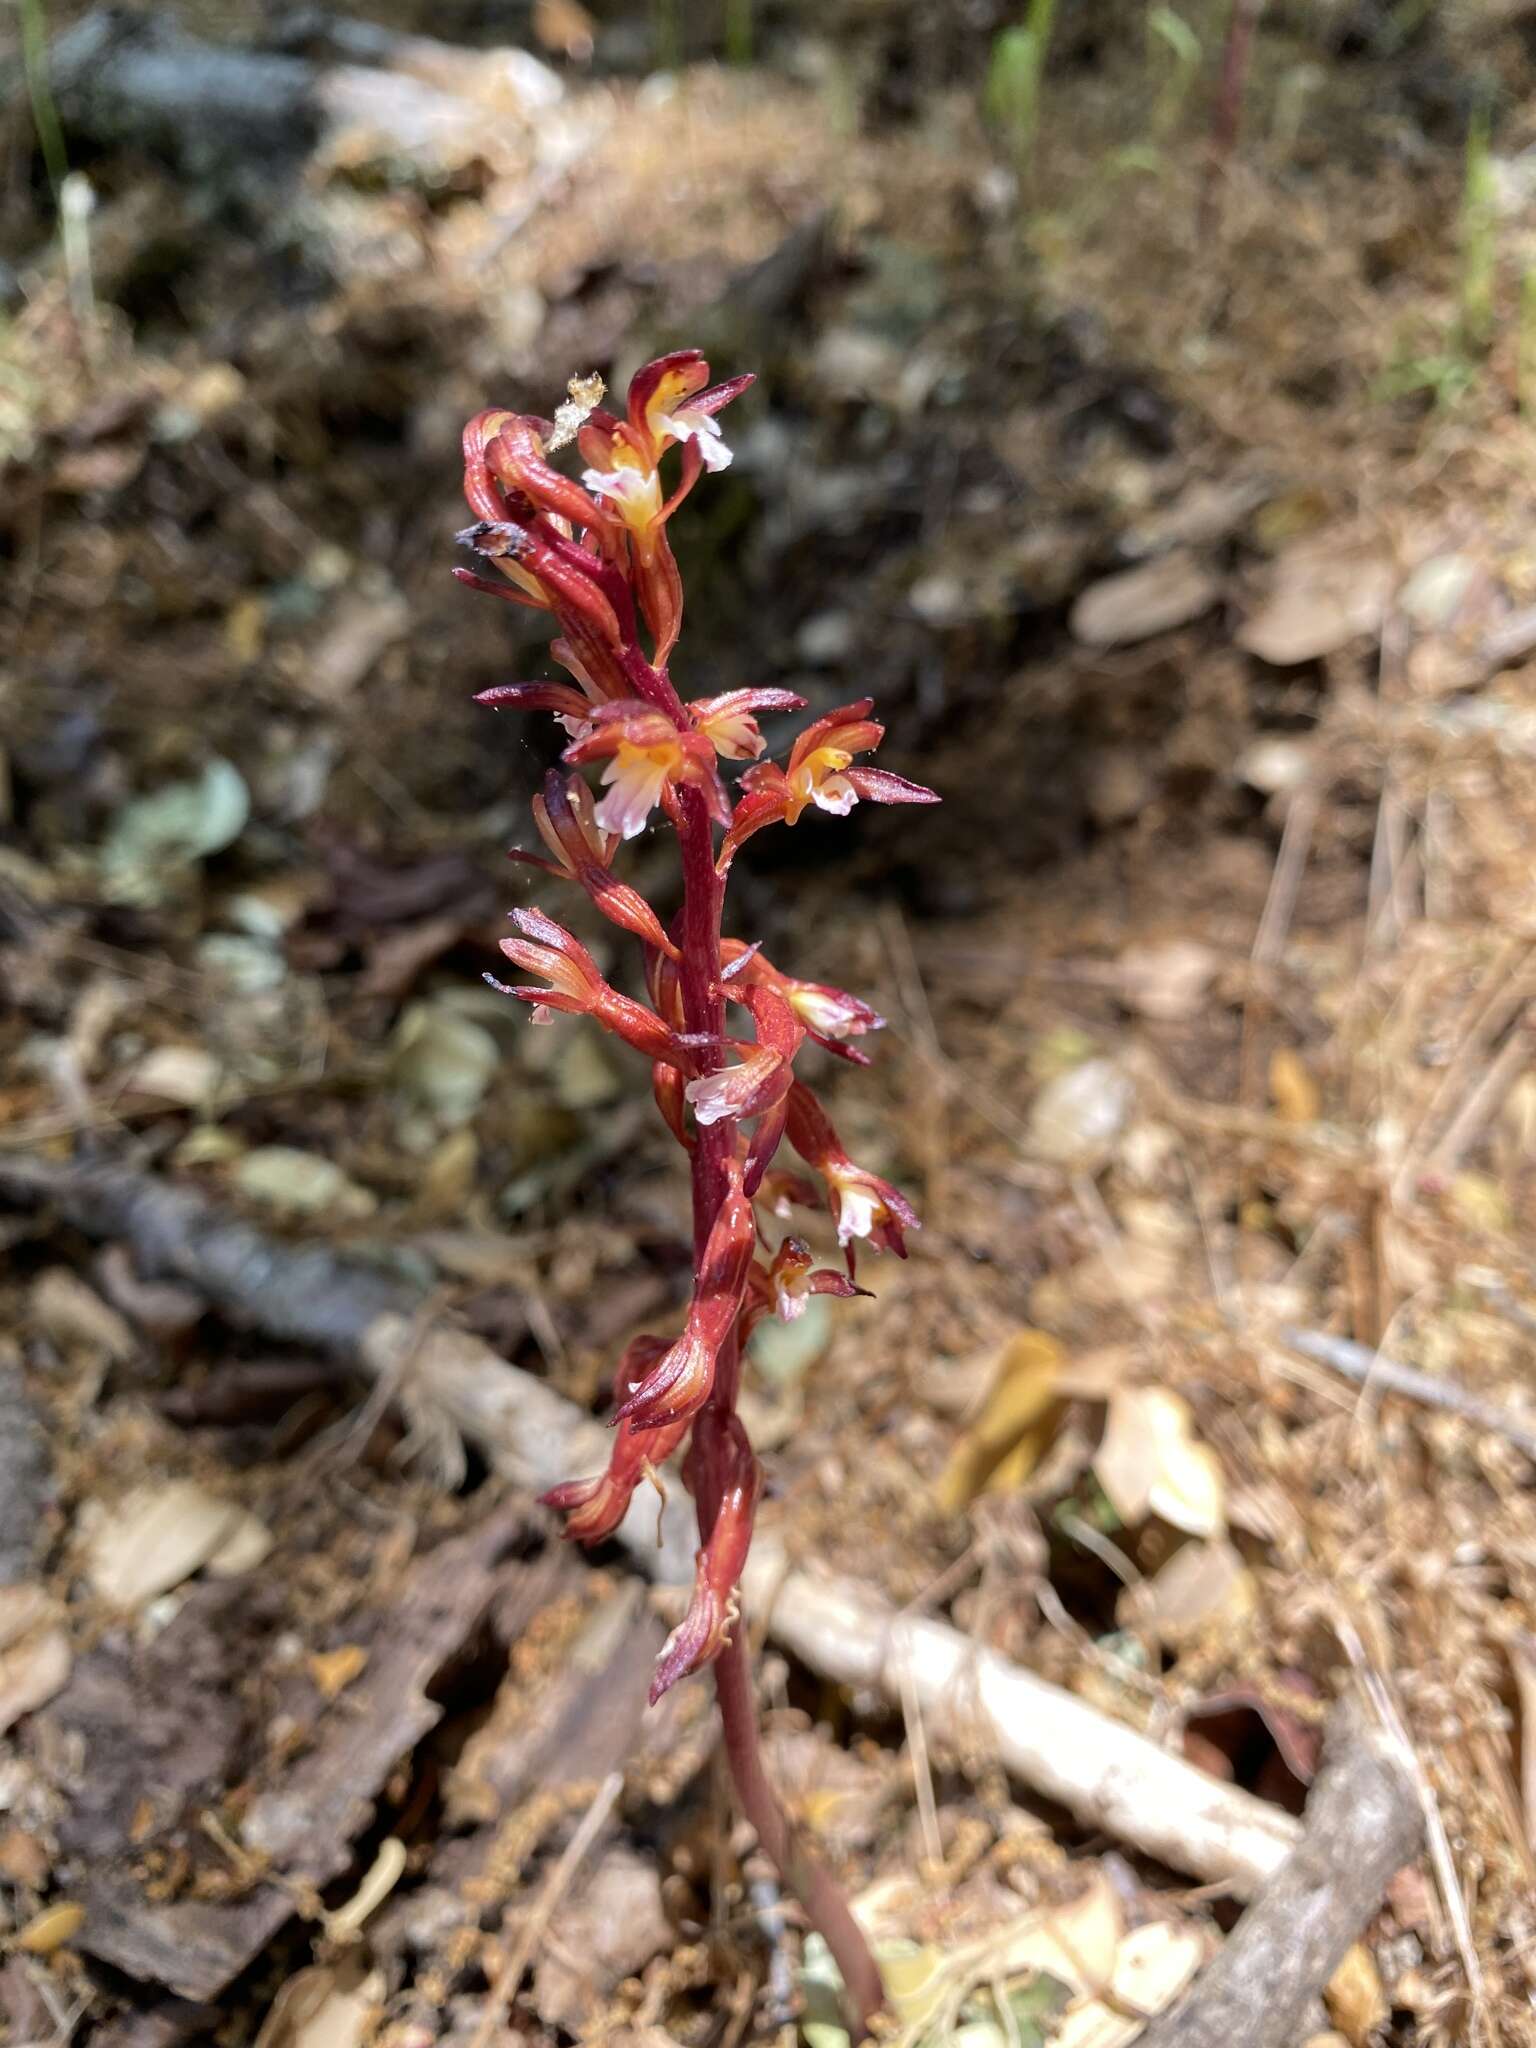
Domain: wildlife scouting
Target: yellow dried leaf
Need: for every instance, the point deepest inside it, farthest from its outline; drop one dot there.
(50, 1929)
(1294, 1092)
(334, 1670)
(1005, 1442)
(1356, 2002)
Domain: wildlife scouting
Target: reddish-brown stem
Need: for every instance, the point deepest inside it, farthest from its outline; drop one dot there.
(704, 1013)
(822, 1903)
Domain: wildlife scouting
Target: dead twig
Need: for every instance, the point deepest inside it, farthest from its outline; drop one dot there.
(556, 1885)
(1363, 1823)
(1385, 1376)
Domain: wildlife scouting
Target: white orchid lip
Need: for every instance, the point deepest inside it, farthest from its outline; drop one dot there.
(635, 777)
(703, 429)
(858, 1211)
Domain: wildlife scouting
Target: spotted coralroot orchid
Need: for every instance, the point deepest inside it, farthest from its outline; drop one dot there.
(722, 1025)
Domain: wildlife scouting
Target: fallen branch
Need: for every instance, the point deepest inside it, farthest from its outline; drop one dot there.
(1363, 1823)
(1105, 1773)
(1385, 1376)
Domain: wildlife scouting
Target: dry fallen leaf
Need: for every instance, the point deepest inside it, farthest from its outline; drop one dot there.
(1004, 1443)
(334, 1670)
(1167, 980)
(160, 1534)
(76, 1317)
(1168, 591)
(1323, 595)
(1200, 1585)
(1153, 1964)
(324, 2006)
(1149, 1462)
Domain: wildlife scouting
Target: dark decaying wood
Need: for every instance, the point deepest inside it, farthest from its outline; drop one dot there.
(1363, 1823)
(156, 1733)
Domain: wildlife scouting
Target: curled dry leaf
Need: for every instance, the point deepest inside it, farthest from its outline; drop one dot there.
(1149, 1462)
(1002, 1446)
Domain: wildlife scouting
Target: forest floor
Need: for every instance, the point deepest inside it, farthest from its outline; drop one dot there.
(1177, 516)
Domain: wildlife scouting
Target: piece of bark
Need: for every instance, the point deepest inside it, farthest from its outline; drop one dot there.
(1363, 1823)
(1095, 1766)
(160, 1731)
(26, 1477)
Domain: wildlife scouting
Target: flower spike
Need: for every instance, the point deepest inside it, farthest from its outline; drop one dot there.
(592, 552)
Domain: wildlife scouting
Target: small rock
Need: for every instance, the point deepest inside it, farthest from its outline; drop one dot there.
(939, 600)
(1138, 603)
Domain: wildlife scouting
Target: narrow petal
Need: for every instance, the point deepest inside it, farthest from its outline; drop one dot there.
(878, 787)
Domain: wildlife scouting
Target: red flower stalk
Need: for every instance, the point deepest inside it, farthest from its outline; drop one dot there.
(595, 555)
